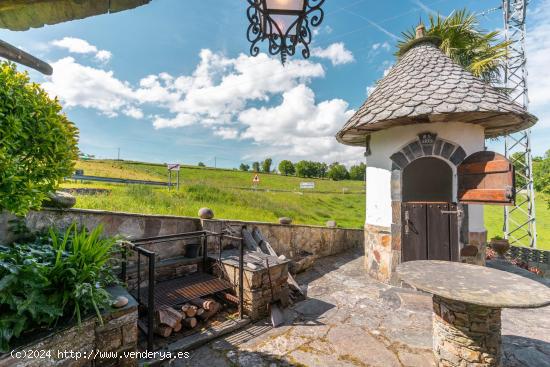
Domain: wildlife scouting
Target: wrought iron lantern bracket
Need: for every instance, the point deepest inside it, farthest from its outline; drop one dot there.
(282, 39)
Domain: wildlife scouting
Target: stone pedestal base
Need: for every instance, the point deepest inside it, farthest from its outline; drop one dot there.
(465, 334)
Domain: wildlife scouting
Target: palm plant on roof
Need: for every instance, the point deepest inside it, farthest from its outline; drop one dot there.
(482, 53)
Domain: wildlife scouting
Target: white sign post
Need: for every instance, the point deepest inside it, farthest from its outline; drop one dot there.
(173, 167)
(307, 185)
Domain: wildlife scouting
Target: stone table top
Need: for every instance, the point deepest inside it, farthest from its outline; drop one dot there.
(474, 284)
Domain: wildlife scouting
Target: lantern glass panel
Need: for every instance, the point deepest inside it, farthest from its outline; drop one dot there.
(297, 5)
(284, 22)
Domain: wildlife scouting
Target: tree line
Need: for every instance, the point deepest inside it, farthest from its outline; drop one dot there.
(309, 169)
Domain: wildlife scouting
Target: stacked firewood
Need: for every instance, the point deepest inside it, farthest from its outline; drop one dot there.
(169, 320)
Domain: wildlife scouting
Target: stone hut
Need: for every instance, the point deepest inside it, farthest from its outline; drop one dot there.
(428, 174)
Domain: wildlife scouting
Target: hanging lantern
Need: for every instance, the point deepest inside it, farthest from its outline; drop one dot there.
(284, 23)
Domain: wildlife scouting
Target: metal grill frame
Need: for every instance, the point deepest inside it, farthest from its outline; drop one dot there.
(149, 303)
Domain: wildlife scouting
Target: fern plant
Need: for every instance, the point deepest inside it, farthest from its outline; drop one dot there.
(60, 275)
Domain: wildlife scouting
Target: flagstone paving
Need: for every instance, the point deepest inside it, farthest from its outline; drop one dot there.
(350, 319)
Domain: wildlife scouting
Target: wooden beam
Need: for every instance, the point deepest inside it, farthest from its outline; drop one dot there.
(14, 54)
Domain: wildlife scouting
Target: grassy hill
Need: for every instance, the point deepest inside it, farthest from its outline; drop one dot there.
(230, 194)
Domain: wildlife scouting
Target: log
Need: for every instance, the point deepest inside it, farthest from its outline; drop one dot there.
(200, 311)
(163, 330)
(207, 304)
(178, 327)
(192, 311)
(190, 322)
(189, 310)
(214, 309)
(168, 316)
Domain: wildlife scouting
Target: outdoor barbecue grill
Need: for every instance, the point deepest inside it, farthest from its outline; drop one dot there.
(180, 290)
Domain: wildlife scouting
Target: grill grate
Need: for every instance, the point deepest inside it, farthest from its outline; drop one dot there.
(181, 290)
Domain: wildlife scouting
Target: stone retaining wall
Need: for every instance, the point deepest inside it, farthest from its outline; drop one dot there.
(289, 240)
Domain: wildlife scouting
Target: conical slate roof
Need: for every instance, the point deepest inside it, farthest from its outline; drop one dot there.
(427, 86)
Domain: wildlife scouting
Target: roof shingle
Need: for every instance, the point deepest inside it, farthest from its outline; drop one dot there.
(427, 86)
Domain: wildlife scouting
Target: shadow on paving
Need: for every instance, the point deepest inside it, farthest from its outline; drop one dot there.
(322, 267)
(351, 320)
(519, 351)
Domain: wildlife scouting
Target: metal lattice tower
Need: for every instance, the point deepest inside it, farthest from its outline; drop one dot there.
(519, 221)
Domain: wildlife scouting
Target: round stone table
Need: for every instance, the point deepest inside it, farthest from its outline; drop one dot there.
(467, 300)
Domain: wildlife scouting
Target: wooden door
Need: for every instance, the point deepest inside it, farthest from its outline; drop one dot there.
(486, 178)
(429, 231)
(414, 236)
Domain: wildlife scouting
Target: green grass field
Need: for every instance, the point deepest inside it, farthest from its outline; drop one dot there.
(229, 193)
(494, 218)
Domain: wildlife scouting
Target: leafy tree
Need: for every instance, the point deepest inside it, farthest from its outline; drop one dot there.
(320, 169)
(37, 142)
(201, 164)
(286, 168)
(256, 166)
(541, 175)
(244, 167)
(358, 172)
(304, 169)
(338, 172)
(480, 52)
(266, 165)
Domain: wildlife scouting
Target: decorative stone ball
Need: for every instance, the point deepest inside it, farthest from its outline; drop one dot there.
(120, 301)
(285, 220)
(206, 213)
(59, 199)
(331, 224)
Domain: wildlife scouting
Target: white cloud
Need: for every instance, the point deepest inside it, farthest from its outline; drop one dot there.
(103, 55)
(80, 46)
(385, 46)
(299, 128)
(224, 95)
(88, 87)
(221, 87)
(336, 53)
(227, 133)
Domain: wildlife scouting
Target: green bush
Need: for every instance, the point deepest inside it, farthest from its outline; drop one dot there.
(56, 276)
(37, 142)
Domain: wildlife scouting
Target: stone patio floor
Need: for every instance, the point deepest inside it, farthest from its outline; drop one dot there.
(349, 319)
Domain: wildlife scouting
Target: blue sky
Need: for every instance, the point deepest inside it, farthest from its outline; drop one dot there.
(172, 81)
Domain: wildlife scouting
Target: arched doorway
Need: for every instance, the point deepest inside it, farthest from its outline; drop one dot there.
(429, 216)
(428, 179)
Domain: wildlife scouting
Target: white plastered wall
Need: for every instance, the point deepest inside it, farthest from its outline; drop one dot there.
(387, 142)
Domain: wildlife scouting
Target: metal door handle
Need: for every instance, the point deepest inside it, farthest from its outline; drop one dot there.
(457, 212)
